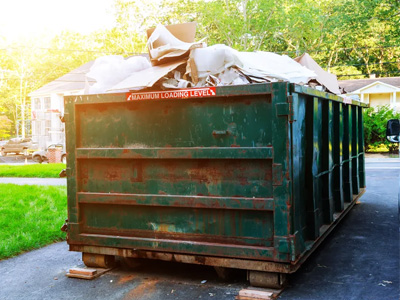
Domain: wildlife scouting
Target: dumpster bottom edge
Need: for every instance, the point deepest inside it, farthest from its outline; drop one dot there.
(256, 265)
(329, 229)
(237, 263)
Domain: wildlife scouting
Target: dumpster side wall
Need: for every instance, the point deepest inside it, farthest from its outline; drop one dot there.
(186, 176)
(259, 172)
(328, 163)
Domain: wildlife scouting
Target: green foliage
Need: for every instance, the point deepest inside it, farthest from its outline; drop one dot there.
(358, 33)
(36, 170)
(375, 121)
(30, 217)
(5, 127)
(354, 38)
(352, 71)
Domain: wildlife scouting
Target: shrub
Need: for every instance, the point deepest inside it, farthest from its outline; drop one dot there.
(375, 120)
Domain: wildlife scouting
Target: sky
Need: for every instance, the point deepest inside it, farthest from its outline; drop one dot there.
(31, 18)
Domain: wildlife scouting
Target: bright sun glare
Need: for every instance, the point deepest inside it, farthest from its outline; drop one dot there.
(27, 18)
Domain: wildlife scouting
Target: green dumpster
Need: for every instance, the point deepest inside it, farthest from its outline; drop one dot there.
(251, 177)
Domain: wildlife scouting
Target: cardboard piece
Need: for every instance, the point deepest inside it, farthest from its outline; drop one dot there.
(112, 69)
(324, 78)
(172, 46)
(147, 77)
(211, 60)
(168, 43)
(258, 66)
(184, 32)
(273, 67)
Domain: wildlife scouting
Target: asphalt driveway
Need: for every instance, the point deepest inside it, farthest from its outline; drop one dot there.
(359, 260)
(34, 181)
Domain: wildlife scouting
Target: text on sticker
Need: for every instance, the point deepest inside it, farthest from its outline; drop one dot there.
(178, 94)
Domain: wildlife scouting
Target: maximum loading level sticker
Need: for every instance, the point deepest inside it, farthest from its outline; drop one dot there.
(173, 94)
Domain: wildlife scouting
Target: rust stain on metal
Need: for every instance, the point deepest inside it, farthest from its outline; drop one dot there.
(163, 227)
(113, 174)
(84, 175)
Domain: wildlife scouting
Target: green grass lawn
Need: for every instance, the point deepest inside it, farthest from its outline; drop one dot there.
(37, 170)
(30, 217)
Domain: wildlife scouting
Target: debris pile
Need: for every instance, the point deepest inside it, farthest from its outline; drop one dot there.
(177, 61)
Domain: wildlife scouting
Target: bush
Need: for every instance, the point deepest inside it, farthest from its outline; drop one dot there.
(375, 120)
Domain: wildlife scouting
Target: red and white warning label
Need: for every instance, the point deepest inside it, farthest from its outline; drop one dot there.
(173, 94)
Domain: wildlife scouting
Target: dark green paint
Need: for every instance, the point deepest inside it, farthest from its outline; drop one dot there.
(256, 172)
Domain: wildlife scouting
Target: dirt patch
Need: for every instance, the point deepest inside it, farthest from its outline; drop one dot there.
(145, 288)
(126, 278)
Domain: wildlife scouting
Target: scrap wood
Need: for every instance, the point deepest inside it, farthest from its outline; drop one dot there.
(258, 294)
(166, 43)
(173, 46)
(324, 78)
(147, 77)
(83, 271)
(86, 273)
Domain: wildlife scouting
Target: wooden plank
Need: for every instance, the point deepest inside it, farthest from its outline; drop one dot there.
(83, 271)
(258, 294)
(86, 273)
(255, 294)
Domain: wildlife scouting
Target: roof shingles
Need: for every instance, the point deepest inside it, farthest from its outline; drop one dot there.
(73, 81)
(355, 84)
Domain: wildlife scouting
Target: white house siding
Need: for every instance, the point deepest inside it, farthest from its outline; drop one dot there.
(378, 99)
(47, 128)
(46, 125)
(379, 94)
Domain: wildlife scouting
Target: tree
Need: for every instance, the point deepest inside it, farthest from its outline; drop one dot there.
(363, 34)
(5, 127)
(348, 37)
(132, 19)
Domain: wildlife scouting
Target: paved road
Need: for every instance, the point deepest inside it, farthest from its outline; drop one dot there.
(360, 260)
(15, 159)
(34, 181)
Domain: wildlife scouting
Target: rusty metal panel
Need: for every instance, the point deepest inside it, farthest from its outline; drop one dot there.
(259, 172)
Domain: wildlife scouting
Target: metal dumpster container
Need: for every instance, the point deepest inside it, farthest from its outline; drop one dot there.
(251, 177)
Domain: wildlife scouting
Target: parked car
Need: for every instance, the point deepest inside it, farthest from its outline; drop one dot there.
(42, 155)
(393, 131)
(19, 146)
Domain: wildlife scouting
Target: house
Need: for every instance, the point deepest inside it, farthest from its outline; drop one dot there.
(48, 105)
(374, 91)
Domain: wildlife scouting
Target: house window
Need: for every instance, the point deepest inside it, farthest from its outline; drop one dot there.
(47, 102)
(42, 128)
(37, 103)
(47, 127)
(38, 127)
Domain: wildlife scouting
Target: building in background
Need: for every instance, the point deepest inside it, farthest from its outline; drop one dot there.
(374, 91)
(47, 105)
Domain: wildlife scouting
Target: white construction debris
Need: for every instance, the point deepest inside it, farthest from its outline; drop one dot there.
(112, 69)
(177, 62)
